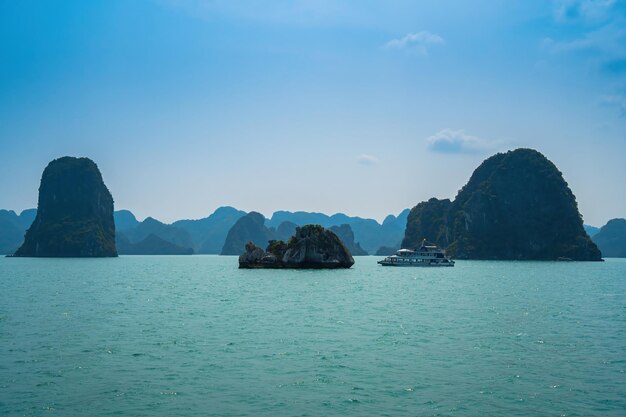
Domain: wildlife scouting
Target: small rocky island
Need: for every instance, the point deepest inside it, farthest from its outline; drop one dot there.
(312, 247)
(74, 213)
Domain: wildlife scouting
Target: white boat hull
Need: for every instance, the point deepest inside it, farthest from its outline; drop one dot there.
(426, 256)
(416, 264)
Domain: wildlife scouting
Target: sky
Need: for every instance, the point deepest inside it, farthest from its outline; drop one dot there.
(362, 107)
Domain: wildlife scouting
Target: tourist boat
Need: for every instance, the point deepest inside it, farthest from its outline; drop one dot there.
(426, 255)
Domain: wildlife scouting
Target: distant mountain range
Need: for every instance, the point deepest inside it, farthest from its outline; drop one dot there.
(370, 234)
(208, 235)
(150, 245)
(249, 228)
(611, 239)
(516, 205)
(253, 228)
(591, 230)
(13, 227)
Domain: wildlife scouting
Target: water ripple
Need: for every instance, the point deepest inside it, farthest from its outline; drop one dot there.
(195, 336)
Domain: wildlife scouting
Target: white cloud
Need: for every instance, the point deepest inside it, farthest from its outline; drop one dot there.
(365, 159)
(419, 41)
(457, 141)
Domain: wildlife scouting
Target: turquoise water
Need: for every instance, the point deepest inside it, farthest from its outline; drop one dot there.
(195, 336)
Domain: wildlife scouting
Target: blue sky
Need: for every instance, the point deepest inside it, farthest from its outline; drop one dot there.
(363, 107)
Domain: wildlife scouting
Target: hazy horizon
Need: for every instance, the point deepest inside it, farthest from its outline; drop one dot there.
(362, 108)
(267, 214)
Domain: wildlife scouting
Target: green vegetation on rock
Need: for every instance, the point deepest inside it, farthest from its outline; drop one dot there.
(311, 247)
(516, 205)
(74, 214)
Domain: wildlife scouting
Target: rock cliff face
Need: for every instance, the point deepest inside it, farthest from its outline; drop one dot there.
(74, 213)
(249, 228)
(516, 205)
(428, 220)
(344, 232)
(312, 247)
(611, 239)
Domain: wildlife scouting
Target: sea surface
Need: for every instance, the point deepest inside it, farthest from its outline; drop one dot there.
(195, 336)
